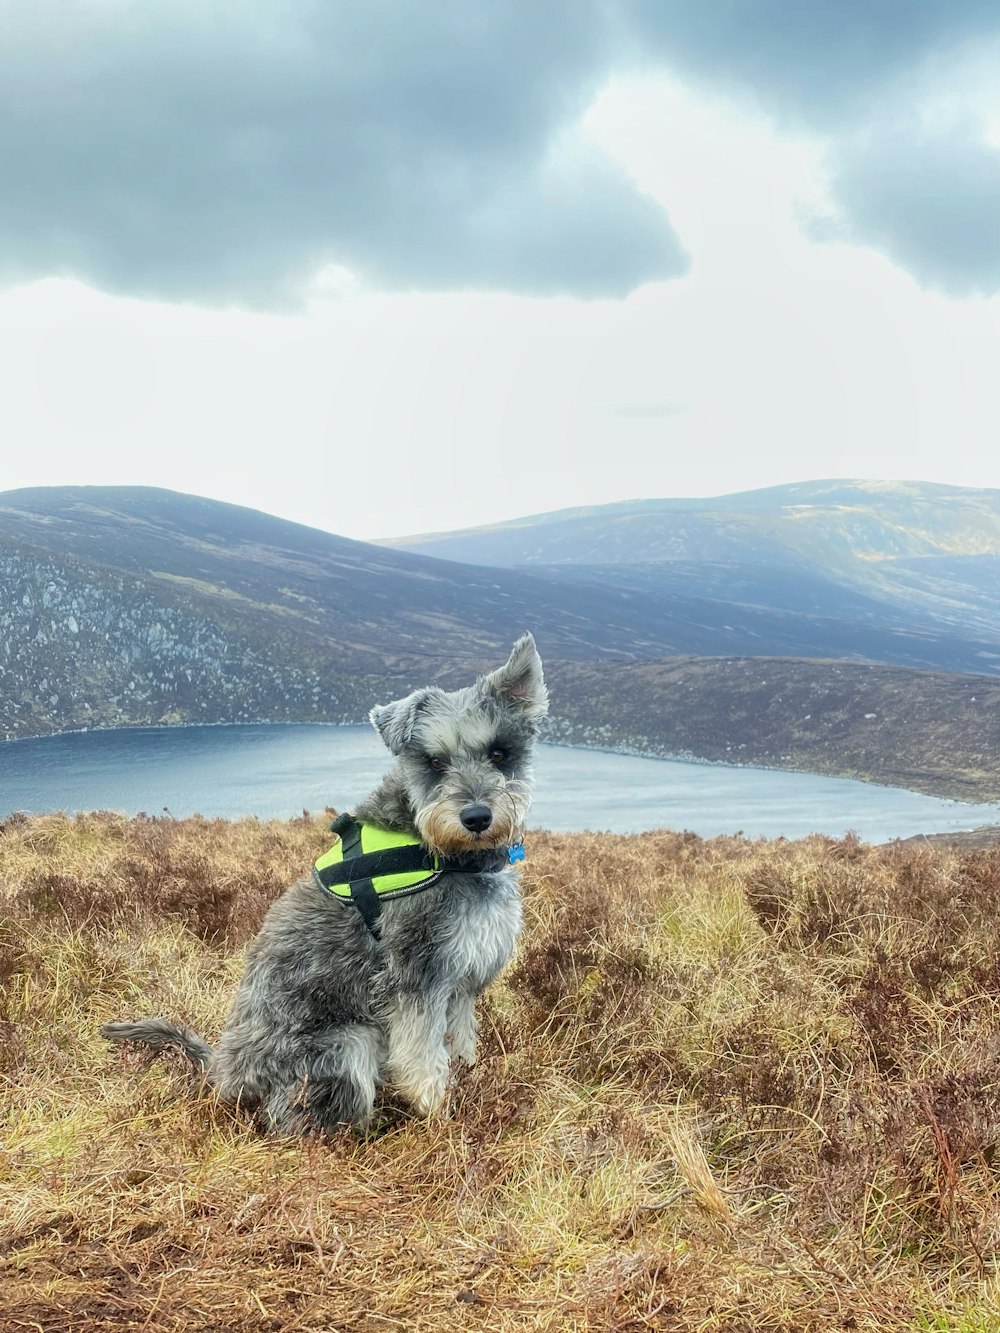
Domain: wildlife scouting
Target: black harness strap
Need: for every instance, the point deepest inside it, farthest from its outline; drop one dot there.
(366, 900)
(350, 836)
(363, 893)
(369, 865)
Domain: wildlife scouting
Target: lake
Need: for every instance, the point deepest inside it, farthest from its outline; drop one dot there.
(279, 770)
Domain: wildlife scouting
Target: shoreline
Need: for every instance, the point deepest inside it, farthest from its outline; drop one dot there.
(632, 750)
(982, 833)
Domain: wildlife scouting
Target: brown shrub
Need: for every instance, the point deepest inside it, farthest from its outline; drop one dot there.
(726, 1085)
(217, 877)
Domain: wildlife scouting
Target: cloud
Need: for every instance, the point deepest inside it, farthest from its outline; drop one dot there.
(227, 152)
(812, 59)
(869, 75)
(930, 200)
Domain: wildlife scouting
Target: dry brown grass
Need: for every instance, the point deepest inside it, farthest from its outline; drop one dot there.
(725, 1086)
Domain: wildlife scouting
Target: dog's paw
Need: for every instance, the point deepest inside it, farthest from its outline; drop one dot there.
(463, 1031)
(461, 1048)
(423, 1089)
(431, 1101)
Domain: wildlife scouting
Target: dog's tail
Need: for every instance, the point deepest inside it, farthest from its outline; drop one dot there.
(159, 1034)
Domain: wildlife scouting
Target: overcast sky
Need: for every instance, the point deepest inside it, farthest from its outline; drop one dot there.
(391, 266)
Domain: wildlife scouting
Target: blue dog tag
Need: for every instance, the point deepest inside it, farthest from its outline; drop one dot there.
(515, 853)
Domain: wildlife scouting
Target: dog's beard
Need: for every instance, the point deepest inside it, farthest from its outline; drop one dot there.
(442, 830)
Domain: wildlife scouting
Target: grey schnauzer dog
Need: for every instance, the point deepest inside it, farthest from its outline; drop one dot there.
(343, 996)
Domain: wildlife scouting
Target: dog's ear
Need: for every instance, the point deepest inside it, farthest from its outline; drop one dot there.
(394, 722)
(519, 683)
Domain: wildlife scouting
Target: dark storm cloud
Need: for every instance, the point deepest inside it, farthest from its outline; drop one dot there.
(227, 151)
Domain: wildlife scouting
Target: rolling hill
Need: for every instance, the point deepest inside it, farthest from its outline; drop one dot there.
(937, 732)
(124, 606)
(925, 550)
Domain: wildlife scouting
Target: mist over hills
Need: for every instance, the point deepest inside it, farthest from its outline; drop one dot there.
(140, 606)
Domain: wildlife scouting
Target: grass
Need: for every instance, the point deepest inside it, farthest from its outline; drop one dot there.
(724, 1086)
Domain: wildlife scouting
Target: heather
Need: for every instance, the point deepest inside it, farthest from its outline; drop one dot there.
(725, 1085)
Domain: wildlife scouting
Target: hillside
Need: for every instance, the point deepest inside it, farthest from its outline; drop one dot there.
(930, 731)
(928, 550)
(729, 1086)
(133, 606)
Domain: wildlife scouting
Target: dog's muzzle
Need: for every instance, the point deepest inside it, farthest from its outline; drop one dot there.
(476, 818)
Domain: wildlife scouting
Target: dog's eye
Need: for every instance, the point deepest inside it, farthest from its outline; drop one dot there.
(437, 763)
(498, 755)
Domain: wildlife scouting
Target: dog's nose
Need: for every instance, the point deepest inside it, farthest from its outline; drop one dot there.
(476, 818)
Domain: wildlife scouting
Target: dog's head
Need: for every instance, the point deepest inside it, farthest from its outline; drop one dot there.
(465, 757)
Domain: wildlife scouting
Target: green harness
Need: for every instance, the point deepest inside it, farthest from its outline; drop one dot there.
(370, 864)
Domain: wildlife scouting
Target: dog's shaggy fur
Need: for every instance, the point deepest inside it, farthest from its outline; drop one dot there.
(327, 1011)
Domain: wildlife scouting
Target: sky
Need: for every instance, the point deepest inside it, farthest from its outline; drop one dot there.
(397, 266)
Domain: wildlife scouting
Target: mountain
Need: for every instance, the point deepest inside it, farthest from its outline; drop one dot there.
(928, 551)
(133, 606)
(937, 732)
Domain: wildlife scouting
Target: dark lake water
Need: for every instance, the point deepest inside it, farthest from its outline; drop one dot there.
(278, 771)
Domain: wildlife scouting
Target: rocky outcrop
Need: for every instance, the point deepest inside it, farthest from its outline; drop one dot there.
(86, 649)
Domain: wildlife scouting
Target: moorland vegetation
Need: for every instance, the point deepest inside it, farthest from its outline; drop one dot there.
(725, 1085)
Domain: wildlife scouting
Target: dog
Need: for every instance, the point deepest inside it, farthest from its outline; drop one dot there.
(365, 974)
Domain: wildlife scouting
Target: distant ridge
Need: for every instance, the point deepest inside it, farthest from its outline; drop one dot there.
(134, 606)
(924, 549)
(831, 491)
(361, 608)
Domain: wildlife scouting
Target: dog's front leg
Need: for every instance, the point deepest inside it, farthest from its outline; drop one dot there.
(418, 1058)
(463, 1029)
